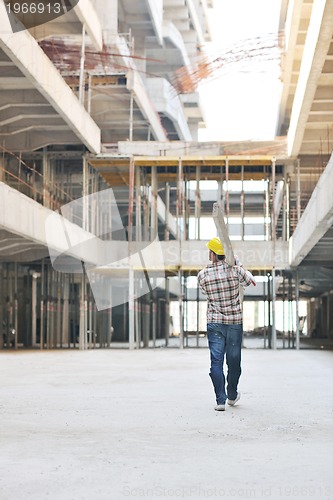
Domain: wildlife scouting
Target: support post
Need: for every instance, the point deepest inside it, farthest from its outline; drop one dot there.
(16, 305)
(242, 200)
(273, 221)
(42, 306)
(131, 291)
(131, 315)
(297, 310)
(179, 203)
(45, 178)
(1, 302)
(268, 226)
(82, 63)
(167, 311)
(284, 218)
(138, 233)
(265, 296)
(198, 203)
(153, 213)
(167, 212)
(154, 316)
(274, 339)
(288, 208)
(227, 189)
(298, 190)
(34, 310)
(83, 316)
(198, 316)
(130, 135)
(65, 312)
(181, 312)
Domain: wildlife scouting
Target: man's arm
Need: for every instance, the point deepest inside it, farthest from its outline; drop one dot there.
(250, 275)
(245, 277)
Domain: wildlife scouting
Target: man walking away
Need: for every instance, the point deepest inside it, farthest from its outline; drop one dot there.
(220, 282)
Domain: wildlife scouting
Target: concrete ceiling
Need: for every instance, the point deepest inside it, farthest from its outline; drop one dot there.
(306, 111)
(27, 120)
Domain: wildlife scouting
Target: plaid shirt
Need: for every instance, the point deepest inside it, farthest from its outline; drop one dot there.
(220, 283)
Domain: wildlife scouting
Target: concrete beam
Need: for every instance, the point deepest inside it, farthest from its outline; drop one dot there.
(171, 33)
(155, 8)
(316, 219)
(26, 218)
(196, 22)
(291, 31)
(162, 95)
(25, 52)
(317, 44)
(87, 14)
(135, 84)
(206, 149)
(35, 138)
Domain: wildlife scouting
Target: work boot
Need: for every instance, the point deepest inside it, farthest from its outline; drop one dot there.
(219, 407)
(232, 402)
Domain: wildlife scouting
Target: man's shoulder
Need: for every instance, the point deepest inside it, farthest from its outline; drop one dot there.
(202, 272)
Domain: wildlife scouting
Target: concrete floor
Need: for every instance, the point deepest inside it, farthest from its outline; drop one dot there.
(115, 424)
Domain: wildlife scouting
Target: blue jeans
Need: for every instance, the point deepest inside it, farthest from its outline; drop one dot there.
(225, 339)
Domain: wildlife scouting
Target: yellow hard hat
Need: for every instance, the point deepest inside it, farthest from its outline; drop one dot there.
(215, 246)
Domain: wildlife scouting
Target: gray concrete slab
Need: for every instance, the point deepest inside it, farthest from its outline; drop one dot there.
(116, 424)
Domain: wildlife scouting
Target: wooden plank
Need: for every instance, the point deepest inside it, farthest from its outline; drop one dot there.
(222, 231)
